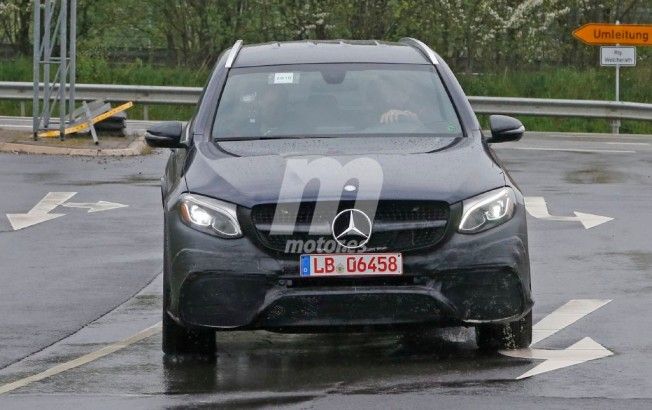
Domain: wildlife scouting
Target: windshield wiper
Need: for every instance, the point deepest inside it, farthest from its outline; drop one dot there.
(316, 136)
(278, 137)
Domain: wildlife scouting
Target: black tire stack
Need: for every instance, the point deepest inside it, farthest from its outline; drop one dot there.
(114, 125)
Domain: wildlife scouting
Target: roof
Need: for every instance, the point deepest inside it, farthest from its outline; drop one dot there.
(328, 51)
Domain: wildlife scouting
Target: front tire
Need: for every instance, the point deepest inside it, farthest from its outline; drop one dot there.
(513, 335)
(180, 340)
(176, 338)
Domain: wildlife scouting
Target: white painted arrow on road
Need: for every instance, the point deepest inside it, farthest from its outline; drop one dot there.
(98, 206)
(580, 352)
(537, 207)
(41, 211)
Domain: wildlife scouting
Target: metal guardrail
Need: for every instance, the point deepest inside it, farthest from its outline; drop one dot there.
(139, 94)
(146, 95)
(562, 108)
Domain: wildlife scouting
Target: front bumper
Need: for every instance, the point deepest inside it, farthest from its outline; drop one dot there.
(233, 284)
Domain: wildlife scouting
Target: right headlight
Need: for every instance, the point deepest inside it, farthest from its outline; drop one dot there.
(487, 210)
(210, 216)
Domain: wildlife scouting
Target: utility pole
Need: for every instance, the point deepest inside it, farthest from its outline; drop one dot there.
(54, 20)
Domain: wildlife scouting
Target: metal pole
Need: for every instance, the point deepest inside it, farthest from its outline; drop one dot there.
(617, 82)
(89, 118)
(47, 52)
(615, 124)
(63, 66)
(36, 67)
(72, 67)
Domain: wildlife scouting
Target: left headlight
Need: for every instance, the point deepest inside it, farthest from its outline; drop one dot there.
(210, 216)
(487, 210)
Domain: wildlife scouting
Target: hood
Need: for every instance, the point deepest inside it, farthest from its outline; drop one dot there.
(416, 168)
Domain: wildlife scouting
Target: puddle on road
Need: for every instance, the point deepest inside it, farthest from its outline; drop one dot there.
(640, 260)
(598, 174)
(40, 177)
(143, 302)
(134, 179)
(343, 363)
(259, 365)
(264, 367)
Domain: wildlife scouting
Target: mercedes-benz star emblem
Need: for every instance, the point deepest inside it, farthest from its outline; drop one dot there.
(351, 228)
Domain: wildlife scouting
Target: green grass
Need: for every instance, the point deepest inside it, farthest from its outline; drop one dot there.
(101, 72)
(568, 83)
(565, 83)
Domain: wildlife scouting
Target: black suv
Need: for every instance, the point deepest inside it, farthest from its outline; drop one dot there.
(339, 186)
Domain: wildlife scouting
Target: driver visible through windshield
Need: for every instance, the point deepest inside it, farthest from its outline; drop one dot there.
(334, 100)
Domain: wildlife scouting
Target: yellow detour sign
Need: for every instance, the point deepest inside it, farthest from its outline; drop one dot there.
(82, 125)
(595, 34)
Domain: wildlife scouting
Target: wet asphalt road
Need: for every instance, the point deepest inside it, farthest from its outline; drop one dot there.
(82, 270)
(60, 275)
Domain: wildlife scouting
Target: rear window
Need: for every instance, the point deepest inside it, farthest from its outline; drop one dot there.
(334, 100)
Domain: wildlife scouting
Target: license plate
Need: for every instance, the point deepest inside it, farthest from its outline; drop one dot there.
(351, 265)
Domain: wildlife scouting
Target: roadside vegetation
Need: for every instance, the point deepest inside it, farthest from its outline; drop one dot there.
(568, 83)
(571, 83)
(496, 47)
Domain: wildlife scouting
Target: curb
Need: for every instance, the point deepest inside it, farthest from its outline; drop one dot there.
(137, 147)
(582, 135)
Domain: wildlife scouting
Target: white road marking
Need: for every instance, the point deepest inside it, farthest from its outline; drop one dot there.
(40, 212)
(80, 361)
(583, 351)
(600, 151)
(565, 316)
(580, 352)
(17, 126)
(537, 207)
(627, 143)
(98, 206)
(582, 136)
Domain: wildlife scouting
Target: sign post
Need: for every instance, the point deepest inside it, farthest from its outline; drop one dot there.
(611, 56)
(615, 124)
(616, 35)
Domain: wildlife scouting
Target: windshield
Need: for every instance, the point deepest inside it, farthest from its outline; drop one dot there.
(334, 100)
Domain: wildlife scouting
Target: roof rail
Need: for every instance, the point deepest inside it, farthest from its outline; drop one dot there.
(422, 47)
(233, 54)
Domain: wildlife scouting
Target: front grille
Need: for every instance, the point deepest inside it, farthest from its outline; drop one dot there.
(353, 309)
(398, 225)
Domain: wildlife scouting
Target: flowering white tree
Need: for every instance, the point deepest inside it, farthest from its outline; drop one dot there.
(15, 23)
(484, 33)
(471, 34)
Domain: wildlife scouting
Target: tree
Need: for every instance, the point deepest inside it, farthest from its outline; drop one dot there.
(15, 23)
(473, 35)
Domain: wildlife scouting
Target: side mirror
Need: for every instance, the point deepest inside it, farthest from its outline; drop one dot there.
(504, 129)
(165, 135)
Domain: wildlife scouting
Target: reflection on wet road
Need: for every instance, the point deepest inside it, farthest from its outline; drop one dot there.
(369, 363)
(259, 367)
